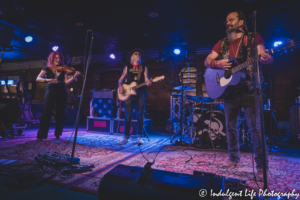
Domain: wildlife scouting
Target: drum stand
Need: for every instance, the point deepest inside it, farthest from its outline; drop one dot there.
(245, 143)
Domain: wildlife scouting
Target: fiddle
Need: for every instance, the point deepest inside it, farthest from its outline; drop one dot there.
(65, 68)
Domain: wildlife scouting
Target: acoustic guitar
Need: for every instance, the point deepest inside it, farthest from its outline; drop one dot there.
(219, 82)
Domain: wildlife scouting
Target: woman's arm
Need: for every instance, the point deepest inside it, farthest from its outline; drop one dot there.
(70, 80)
(41, 77)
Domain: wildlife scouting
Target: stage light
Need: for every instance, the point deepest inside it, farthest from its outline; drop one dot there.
(277, 43)
(176, 51)
(55, 48)
(28, 39)
(9, 82)
(112, 56)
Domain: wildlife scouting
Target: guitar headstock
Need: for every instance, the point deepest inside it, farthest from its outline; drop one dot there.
(159, 78)
(286, 46)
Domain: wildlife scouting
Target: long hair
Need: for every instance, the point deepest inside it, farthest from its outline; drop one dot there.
(52, 56)
(241, 16)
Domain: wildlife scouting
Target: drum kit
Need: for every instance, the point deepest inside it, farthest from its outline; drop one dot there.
(200, 125)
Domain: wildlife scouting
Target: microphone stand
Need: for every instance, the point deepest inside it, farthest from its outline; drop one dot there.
(182, 143)
(82, 92)
(261, 108)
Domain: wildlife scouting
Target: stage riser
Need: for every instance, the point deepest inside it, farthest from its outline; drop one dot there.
(114, 125)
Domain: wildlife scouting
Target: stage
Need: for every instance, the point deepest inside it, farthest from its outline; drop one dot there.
(102, 150)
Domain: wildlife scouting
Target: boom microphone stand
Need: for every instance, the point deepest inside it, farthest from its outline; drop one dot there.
(253, 15)
(82, 92)
(182, 143)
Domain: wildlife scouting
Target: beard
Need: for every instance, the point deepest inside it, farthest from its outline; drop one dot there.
(231, 36)
(231, 32)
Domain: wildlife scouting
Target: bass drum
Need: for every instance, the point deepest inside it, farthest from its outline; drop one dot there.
(218, 128)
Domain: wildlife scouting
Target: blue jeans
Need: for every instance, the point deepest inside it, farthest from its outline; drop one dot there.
(232, 105)
(139, 100)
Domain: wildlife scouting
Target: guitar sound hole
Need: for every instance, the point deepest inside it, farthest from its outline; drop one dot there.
(227, 74)
(218, 79)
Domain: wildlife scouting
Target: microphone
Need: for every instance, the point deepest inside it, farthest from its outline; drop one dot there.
(94, 33)
(235, 28)
(253, 14)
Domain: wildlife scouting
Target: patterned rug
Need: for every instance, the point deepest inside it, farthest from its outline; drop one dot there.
(103, 151)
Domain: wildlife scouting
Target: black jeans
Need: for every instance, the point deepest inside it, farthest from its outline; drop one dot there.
(232, 105)
(55, 94)
(139, 100)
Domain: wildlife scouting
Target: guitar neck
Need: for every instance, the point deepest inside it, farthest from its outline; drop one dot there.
(242, 66)
(140, 85)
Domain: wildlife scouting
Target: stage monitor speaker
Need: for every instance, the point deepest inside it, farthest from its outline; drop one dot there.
(127, 182)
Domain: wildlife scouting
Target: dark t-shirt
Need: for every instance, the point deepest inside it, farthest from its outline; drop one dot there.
(51, 75)
(234, 45)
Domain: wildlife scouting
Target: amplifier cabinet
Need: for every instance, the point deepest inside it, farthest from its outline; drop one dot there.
(103, 94)
(99, 124)
(103, 108)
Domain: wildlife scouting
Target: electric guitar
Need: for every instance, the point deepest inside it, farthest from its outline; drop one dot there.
(130, 89)
(219, 82)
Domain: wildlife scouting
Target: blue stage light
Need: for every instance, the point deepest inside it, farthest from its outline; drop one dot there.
(176, 51)
(28, 39)
(55, 48)
(112, 56)
(277, 43)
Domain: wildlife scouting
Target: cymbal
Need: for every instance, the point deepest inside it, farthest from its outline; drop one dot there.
(184, 88)
(200, 99)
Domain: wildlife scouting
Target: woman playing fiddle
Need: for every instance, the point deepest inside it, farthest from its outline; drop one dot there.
(56, 93)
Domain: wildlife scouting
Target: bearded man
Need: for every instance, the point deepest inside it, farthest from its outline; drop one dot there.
(240, 44)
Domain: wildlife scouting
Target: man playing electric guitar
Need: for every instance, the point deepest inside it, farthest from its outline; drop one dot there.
(240, 44)
(137, 72)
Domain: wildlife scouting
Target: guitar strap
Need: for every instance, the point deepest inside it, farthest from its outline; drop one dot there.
(139, 74)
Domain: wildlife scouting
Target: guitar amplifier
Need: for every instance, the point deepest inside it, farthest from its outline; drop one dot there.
(102, 108)
(103, 94)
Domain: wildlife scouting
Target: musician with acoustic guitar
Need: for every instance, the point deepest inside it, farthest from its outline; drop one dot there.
(239, 44)
(134, 72)
(56, 93)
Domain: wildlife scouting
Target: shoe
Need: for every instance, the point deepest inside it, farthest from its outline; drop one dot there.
(124, 141)
(57, 138)
(260, 175)
(39, 140)
(230, 165)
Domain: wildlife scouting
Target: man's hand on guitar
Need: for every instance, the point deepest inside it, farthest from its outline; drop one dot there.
(149, 82)
(121, 90)
(223, 64)
(265, 58)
